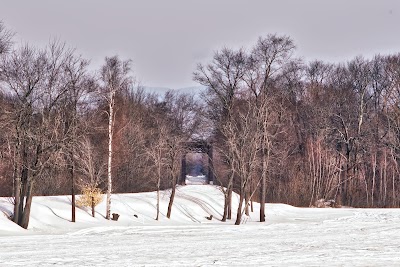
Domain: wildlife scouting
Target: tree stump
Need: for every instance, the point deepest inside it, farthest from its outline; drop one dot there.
(115, 216)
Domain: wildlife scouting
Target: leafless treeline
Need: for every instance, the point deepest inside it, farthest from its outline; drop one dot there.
(63, 128)
(283, 130)
(295, 132)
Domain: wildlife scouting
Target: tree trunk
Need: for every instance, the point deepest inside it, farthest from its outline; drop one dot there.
(263, 195)
(251, 196)
(344, 200)
(230, 203)
(110, 135)
(70, 124)
(210, 165)
(158, 203)
(20, 188)
(73, 199)
(23, 195)
(158, 192)
(171, 199)
(225, 215)
(24, 222)
(227, 203)
(93, 214)
(263, 182)
(246, 202)
(183, 170)
(262, 201)
(239, 210)
(72, 176)
(17, 198)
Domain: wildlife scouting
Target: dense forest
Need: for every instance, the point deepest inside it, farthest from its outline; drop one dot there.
(282, 129)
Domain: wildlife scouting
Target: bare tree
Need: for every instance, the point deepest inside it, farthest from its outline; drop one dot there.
(223, 78)
(34, 79)
(5, 46)
(183, 123)
(79, 85)
(5, 39)
(156, 152)
(243, 143)
(90, 168)
(267, 60)
(173, 163)
(115, 79)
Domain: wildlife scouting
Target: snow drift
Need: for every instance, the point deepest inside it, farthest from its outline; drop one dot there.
(290, 236)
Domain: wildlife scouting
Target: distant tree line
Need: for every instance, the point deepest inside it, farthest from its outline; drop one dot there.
(64, 128)
(295, 132)
(283, 130)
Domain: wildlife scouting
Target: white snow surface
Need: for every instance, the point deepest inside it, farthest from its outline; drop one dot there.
(290, 236)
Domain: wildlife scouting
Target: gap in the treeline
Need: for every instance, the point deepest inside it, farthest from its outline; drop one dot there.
(196, 168)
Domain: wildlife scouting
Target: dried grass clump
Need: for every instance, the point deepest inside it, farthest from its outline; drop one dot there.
(91, 196)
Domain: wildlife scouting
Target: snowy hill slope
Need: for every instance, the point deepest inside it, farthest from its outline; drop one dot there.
(290, 237)
(193, 203)
(53, 214)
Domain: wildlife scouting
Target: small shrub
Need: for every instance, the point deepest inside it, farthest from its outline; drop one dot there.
(91, 197)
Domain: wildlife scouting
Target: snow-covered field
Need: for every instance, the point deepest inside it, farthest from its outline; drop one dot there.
(290, 237)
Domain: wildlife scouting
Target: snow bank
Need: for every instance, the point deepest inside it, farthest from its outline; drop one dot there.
(290, 237)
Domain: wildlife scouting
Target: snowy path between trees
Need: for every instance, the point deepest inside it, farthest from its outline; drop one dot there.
(290, 237)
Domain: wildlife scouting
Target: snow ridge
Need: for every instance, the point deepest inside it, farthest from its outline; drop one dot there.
(290, 237)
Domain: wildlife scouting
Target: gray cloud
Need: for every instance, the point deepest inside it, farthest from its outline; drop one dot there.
(166, 39)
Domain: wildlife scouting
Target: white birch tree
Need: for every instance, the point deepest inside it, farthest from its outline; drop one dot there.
(115, 78)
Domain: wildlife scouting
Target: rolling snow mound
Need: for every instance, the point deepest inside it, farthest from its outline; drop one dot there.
(290, 236)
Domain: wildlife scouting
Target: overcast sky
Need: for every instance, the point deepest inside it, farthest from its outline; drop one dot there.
(167, 38)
